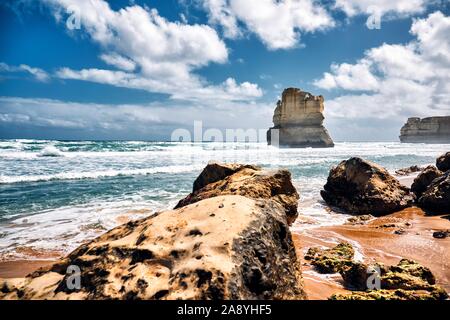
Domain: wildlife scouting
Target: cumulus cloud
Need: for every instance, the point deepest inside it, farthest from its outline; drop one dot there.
(278, 23)
(400, 80)
(37, 73)
(151, 53)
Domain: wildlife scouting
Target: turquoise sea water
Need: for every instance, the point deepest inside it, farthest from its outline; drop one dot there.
(55, 195)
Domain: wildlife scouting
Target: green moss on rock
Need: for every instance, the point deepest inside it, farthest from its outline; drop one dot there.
(331, 260)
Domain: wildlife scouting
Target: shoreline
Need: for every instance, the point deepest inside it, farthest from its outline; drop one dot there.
(375, 240)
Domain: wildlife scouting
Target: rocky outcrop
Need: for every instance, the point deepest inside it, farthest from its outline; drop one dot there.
(436, 199)
(331, 260)
(298, 121)
(408, 170)
(218, 247)
(426, 130)
(407, 280)
(248, 181)
(358, 186)
(424, 179)
(443, 162)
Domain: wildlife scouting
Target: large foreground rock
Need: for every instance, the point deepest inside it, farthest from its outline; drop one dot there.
(358, 186)
(436, 199)
(443, 162)
(249, 181)
(227, 247)
(298, 121)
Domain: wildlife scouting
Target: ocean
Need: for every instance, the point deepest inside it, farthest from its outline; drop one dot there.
(55, 195)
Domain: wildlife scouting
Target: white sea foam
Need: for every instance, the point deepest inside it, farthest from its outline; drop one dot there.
(50, 151)
(96, 175)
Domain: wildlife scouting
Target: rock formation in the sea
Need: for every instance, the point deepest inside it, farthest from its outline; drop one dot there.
(220, 247)
(426, 130)
(443, 162)
(358, 186)
(245, 180)
(424, 179)
(298, 121)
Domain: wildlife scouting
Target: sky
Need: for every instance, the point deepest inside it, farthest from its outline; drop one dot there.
(138, 70)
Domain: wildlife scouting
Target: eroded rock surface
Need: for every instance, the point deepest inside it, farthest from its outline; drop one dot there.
(248, 181)
(331, 260)
(424, 179)
(298, 121)
(226, 247)
(358, 186)
(436, 199)
(443, 162)
(407, 280)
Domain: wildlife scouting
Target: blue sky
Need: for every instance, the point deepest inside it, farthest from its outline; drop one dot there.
(140, 69)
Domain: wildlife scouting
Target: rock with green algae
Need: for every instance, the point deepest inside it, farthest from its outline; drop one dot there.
(408, 280)
(399, 294)
(331, 260)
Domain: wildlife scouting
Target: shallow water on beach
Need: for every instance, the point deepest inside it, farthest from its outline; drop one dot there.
(54, 195)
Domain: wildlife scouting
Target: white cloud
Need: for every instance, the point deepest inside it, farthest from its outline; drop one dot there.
(278, 23)
(349, 77)
(140, 121)
(382, 7)
(164, 54)
(118, 61)
(401, 80)
(37, 73)
(220, 13)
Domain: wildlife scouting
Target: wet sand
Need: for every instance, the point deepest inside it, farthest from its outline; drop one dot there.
(20, 268)
(377, 241)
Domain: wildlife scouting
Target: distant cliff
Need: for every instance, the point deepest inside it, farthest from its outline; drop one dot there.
(426, 130)
(298, 121)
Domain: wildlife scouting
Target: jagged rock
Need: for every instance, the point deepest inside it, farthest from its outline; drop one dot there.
(443, 162)
(436, 199)
(242, 250)
(331, 260)
(423, 180)
(248, 181)
(408, 170)
(215, 171)
(298, 121)
(358, 186)
(407, 280)
(426, 130)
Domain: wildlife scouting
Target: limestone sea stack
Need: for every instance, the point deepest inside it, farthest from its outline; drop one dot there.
(222, 246)
(426, 130)
(298, 121)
